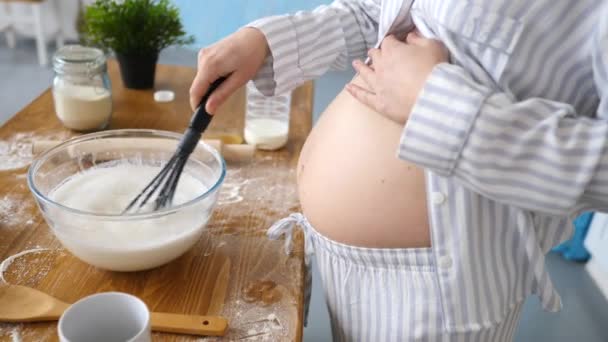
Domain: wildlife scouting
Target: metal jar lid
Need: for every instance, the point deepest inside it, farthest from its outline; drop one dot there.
(79, 60)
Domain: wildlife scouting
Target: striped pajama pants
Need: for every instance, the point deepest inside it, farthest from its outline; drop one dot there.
(376, 294)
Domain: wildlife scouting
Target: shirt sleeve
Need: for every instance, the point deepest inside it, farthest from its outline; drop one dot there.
(307, 44)
(534, 154)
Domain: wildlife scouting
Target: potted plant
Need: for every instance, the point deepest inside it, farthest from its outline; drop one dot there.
(136, 30)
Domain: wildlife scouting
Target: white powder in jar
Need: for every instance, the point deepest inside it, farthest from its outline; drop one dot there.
(83, 108)
(125, 244)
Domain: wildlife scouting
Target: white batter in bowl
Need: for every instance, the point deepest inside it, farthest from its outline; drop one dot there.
(83, 185)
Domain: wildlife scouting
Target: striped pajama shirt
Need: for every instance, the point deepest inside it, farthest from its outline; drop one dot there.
(512, 135)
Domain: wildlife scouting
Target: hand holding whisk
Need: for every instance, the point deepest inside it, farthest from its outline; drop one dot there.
(165, 183)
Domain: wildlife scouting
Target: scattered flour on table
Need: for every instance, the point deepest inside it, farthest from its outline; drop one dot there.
(253, 322)
(13, 331)
(10, 332)
(231, 192)
(34, 269)
(277, 190)
(8, 262)
(16, 151)
(250, 322)
(273, 191)
(233, 187)
(13, 209)
(15, 335)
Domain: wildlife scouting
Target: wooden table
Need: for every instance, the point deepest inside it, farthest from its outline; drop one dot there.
(214, 276)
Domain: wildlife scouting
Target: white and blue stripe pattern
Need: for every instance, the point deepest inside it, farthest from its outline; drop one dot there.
(520, 113)
(376, 294)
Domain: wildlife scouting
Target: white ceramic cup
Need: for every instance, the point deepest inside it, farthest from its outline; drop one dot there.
(106, 317)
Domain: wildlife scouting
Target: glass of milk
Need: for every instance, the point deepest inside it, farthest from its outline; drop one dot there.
(81, 88)
(266, 119)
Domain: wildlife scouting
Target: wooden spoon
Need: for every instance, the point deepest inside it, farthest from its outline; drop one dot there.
(24, 304)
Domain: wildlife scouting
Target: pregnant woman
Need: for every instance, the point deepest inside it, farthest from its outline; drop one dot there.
(434, 184)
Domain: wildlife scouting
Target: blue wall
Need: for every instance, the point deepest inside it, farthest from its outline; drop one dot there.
(209, 20)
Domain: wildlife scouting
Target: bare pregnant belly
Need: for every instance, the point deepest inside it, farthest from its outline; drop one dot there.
(353, 188)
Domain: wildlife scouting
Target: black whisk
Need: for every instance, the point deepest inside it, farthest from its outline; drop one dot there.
(165, 183)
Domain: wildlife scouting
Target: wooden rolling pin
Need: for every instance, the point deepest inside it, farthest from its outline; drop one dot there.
(230, 152)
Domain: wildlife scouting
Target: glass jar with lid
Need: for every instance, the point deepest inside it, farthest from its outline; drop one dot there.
(81, 88)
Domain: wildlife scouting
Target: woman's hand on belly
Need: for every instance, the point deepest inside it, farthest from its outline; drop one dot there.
(399, 73)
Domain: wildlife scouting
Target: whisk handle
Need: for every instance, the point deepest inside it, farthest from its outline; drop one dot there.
(200, 120)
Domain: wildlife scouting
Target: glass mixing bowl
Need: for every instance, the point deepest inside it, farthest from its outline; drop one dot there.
(125, 242)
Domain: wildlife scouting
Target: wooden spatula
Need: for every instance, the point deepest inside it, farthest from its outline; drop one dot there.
(24, 304)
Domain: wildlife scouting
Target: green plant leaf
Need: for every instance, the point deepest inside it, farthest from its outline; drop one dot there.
(133, 27)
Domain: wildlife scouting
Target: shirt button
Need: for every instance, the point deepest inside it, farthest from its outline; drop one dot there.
(445, 262)
(437, 198)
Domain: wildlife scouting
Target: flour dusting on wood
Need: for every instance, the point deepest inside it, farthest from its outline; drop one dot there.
(273, 187)
(262, 305)
(9, 261)
(26, 268)
(231, 191)
(255, 195)
(29, 267)
(16, 151)
(16, 335)
(10, 332)
(13, 210)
